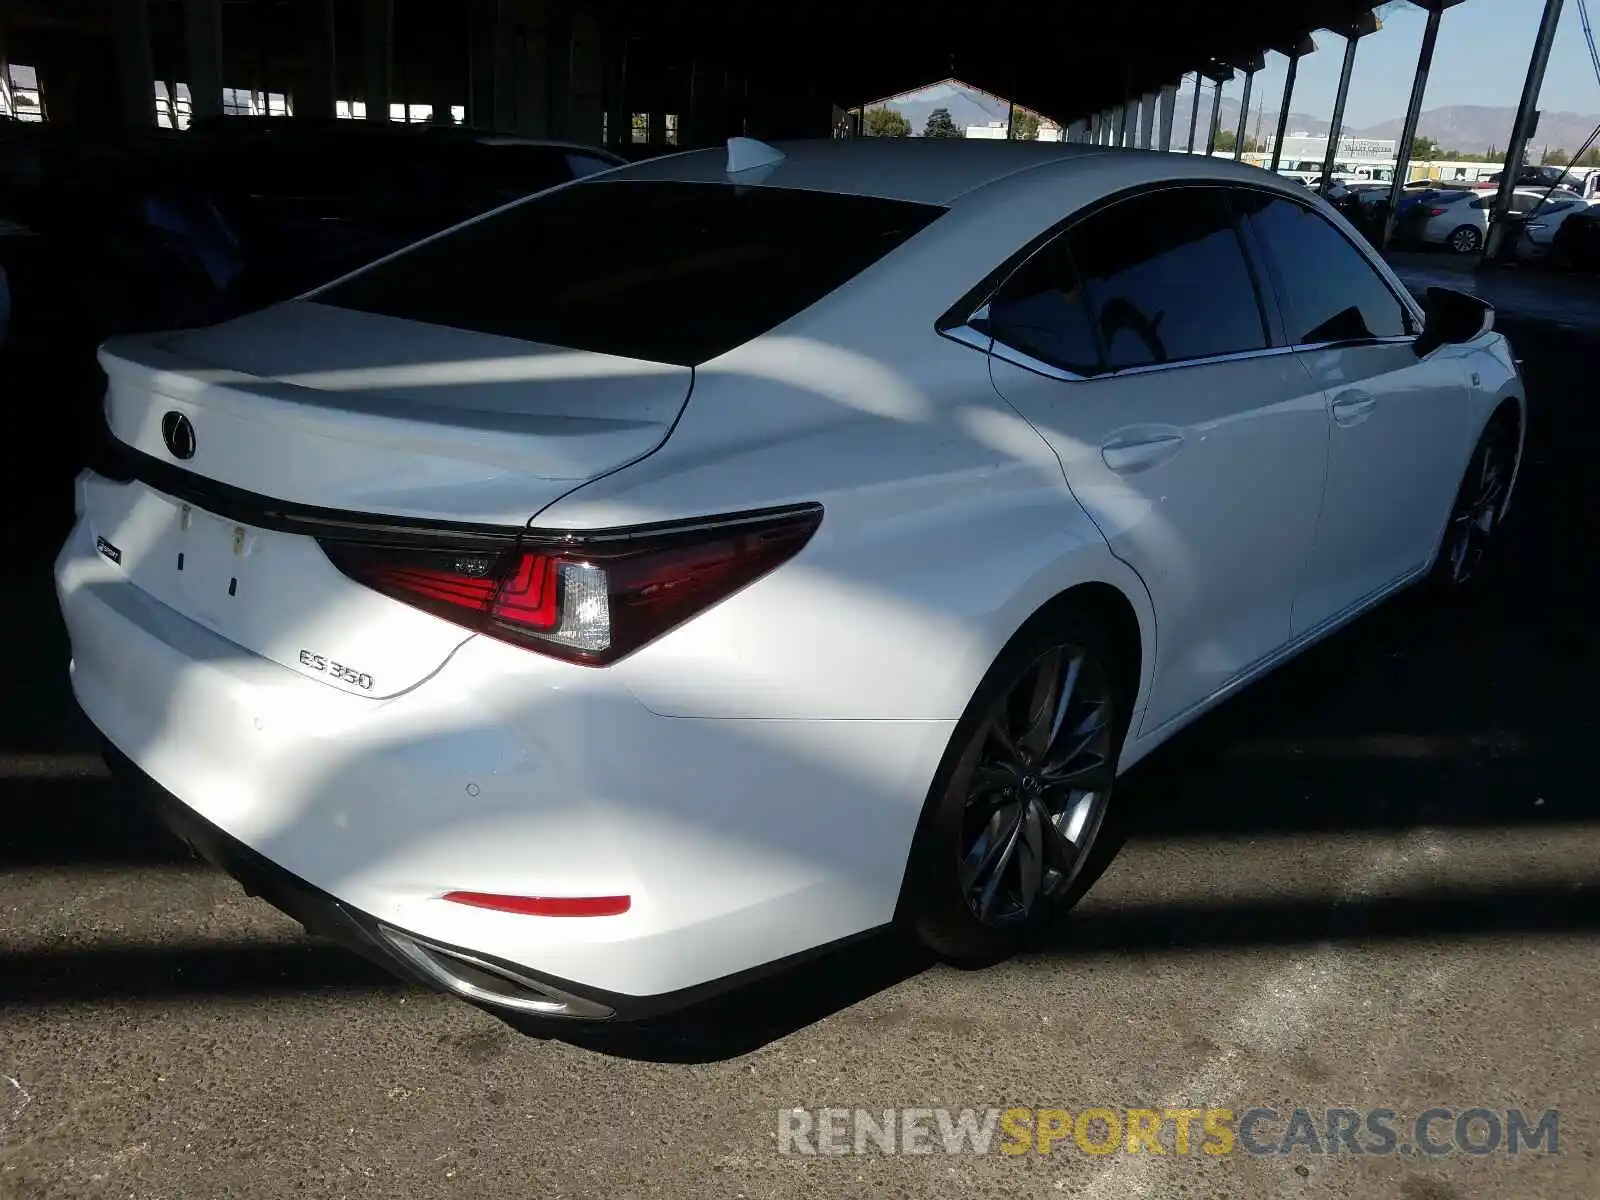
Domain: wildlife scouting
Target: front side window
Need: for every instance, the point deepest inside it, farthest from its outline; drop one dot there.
(1329, 291)
(1167, 280)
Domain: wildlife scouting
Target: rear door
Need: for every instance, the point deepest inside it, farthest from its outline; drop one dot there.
(1141, 348)
(1396, 424)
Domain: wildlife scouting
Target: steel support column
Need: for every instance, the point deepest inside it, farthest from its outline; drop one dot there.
(1283, 111)
(483, 53)
(1169, 105)
(202, 45)
(1147, 121)
(1408, 132)
(1119, 126)
(1522, 129)
(1216, 116)
(1353, 38)
(1244, 114)
(316, 97)
(1194, 113)
(377, 57)
(135, 65)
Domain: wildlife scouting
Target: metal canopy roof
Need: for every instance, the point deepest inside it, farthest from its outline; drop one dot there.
(1063, 58)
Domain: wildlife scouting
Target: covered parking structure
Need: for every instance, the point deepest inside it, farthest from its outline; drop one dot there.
(632, 73)
(582, 68)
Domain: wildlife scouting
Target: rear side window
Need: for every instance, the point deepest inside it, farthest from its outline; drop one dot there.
(584, 164)
(491, 175)
(1166, 279)
(1042, 311)
(665, 271)
(1329, 291)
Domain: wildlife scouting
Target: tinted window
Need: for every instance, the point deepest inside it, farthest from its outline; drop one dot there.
(584, 164)
(490, 175)
(1166, 279)
(1042, 311)
(672, 272)
(1328, 289)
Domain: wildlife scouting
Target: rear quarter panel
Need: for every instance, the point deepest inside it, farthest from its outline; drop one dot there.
(947, 524)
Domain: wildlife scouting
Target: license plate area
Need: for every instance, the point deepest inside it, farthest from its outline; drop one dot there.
(213, 561)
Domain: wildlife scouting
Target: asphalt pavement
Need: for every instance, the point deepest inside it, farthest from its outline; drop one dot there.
(1367, 884)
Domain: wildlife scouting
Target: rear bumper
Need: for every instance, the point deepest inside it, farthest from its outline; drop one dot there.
(742, 844)
(324, 915)
(470, 974)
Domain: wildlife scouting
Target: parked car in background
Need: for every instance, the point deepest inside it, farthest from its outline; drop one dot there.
(1459, 221)
(134, 231)
(1540, 227)
(1541, 176)
(1576, 243)
(313, 200)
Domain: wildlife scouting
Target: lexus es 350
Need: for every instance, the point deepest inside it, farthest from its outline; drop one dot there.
(695, 566)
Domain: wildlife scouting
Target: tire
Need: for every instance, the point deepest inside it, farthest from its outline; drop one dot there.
(1466, 548)
(986, 795)
(1465, 240)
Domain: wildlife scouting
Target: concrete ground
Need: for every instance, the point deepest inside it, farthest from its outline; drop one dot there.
(1369, 883)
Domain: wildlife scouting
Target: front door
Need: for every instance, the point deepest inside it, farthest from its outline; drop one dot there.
(1138, 345)
(1397, 425)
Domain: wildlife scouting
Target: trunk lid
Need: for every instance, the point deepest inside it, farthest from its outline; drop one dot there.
(351, 415)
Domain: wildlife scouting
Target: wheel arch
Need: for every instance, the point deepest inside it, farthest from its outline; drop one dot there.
(1116, 600)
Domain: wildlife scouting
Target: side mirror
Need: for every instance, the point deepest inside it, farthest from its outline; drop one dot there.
(1452, 318)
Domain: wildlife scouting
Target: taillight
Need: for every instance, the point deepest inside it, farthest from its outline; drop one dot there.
(589, 598)
(1436, 212)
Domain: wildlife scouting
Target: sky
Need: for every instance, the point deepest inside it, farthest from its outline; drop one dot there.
(1482, 58)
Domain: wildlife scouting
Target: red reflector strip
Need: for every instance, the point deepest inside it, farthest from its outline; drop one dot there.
(545, 906)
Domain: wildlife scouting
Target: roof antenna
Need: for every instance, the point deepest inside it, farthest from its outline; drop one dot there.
(746, 154)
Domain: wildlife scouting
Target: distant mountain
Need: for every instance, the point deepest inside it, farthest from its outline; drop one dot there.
(967, 106)
(1468, 128)
(1478, 129)
(1263, 115)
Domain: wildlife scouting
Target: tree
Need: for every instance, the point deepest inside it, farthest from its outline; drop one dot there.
(885, 122)
(1024, 125)
(940, 125)
(1424, 149)
(1557, 158)
(1589, 158)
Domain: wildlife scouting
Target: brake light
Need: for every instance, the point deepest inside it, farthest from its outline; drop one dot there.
(1436, 212)
(589, 598)
(545, 906)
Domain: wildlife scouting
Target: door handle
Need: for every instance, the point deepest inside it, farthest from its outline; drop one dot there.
(1352, 408)
(1128, 451)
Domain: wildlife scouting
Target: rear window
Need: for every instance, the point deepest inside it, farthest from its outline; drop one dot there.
(664, 271)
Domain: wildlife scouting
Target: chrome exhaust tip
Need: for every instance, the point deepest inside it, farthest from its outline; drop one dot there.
(488, 984)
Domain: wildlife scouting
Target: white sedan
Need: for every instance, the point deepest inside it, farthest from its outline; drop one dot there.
(693, 567)
(1542, 225)
(1459, 220)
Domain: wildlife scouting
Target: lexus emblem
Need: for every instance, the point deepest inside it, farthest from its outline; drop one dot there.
(177, 431)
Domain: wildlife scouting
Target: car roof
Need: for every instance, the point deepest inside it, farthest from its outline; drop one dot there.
(920, 170)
